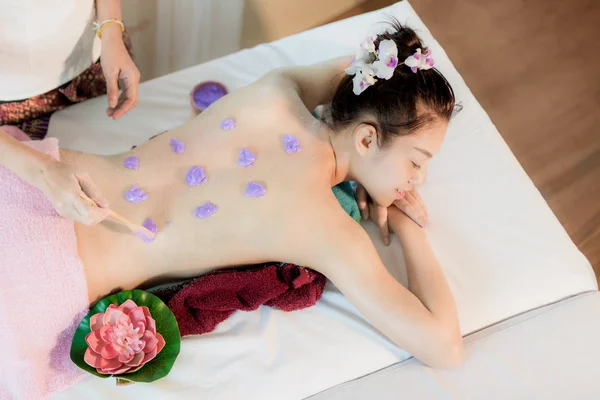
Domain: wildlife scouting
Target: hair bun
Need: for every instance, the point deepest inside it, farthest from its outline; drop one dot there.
(405, 38)
(411, 98)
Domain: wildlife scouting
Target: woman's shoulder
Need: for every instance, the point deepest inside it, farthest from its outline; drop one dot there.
(270, 100)
(275, 90)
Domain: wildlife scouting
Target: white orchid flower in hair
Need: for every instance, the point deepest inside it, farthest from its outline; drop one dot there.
(419, 61)
(387, 59)
(363, 76)
(366, 50)
(362, 66)
(362, 81)
(355, 66)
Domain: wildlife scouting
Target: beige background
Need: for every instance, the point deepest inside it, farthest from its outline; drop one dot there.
(170, 35)
(268, 20)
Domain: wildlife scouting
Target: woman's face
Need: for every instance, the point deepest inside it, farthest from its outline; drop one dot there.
(386, 172)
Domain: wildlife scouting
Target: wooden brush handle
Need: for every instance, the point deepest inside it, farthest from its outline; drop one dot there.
(130, 224)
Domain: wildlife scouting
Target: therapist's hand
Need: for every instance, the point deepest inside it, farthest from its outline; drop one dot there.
(63, 185)
(119, 70)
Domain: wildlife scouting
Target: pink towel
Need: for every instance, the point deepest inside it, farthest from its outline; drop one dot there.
(43, 292)
(15, 132)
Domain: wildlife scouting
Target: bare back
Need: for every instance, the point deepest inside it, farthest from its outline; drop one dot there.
(283, 225)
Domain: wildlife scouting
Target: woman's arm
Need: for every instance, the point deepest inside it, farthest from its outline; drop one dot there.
(423, 322)
(316, 83)
(426, 279)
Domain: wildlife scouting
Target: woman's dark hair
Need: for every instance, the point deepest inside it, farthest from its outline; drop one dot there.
(400, 105)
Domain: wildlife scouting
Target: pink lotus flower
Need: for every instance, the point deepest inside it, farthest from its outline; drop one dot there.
(123, 339)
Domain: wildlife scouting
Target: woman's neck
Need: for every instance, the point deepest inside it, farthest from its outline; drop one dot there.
(340, 152)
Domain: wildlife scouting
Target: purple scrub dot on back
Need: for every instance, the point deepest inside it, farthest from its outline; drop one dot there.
(254, 189)
(132, 162)
(227, 124)
(196, 176)
(151, 226)
(206, 210)
(136, 195)
(247, 158)
(177, 146)
(292, 144)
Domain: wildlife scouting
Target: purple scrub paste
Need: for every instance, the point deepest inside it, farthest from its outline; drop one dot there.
(206, 210)
(151, 226)
(227, 124)
(136, 195)
(177, 146)
(247, 158)
(196, 176)
(132, 162)
(292, 144)
(254, 189)
(204, 94)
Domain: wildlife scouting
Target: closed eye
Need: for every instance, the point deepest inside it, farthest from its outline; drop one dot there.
(416, 166)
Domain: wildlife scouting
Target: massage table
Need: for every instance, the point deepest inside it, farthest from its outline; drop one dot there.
(527, 299)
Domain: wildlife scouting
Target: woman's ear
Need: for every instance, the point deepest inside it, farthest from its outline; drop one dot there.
(365, 138)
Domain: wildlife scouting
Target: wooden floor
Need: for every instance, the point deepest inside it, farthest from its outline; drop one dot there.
(534, 65)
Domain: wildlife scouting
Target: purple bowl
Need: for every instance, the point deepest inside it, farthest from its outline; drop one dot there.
(206, 93)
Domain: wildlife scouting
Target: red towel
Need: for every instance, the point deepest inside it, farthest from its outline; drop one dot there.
(212, 298)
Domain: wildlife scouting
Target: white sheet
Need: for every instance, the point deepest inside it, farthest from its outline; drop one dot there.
(502, 249)
(550, 355)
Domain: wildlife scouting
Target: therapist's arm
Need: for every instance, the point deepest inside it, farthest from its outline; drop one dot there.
(61, 183)
(22, 160)
(116, 62)
(108, 9)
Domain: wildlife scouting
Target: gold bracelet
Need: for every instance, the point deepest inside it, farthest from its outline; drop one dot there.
(100, 26)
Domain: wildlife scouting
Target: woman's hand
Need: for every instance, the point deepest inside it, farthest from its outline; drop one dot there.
(398, 220)
(118, 67)
(370, 210)
(411, 204)
(63, 184)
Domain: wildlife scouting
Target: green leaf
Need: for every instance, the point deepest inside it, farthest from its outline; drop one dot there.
(166, 325)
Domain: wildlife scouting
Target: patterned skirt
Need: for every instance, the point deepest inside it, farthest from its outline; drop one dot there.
(33, 115)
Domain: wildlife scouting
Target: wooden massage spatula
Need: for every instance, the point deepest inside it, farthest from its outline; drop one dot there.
(135, 228)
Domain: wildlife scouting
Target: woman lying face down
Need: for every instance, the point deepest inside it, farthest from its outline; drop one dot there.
(249, 180)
